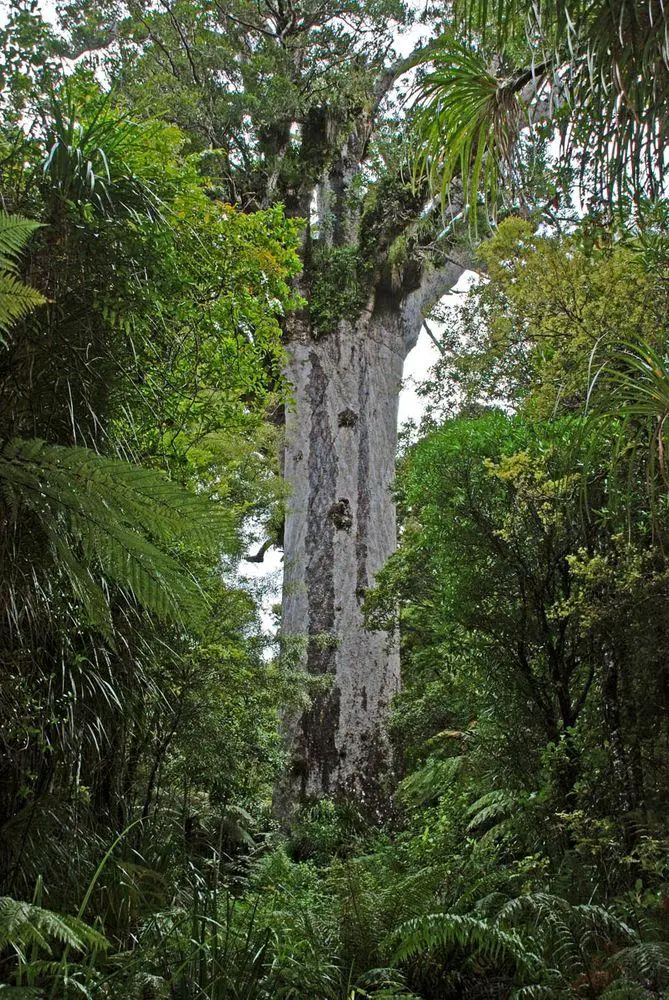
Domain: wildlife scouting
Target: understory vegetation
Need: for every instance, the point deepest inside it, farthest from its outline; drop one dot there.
(524, 847)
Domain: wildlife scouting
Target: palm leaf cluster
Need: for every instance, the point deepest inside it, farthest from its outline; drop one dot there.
(629, 391)
(467, 123)
(598, 70)
(92, 155)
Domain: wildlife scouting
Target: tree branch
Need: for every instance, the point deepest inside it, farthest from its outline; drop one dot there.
(433, 337)
(177, 27)
(259, 556)
(435, 283)
(396, 70)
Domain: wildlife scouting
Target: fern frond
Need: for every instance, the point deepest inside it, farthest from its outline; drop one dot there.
(430, 781)
(454, 930)
(15, 231)
(539, 991)
(17, 301)
(23, 925)
(102, 516)
(647, 960)
(491, 809)
(19, 992)
(381, 984)
(627, 989)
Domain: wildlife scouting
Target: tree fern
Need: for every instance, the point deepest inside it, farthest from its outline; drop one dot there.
(17, 300)
(454, 930)
(551, 943)
(25, 925)
(542, 909)
(104, 518)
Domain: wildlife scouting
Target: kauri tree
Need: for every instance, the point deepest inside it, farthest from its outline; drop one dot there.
(289, 102)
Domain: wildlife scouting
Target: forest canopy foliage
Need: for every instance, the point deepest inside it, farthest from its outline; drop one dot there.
(151, 246)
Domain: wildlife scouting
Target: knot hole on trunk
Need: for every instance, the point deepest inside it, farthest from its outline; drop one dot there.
(340, 514)
(347, 418)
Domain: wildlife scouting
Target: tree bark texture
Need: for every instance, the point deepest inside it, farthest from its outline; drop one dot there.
(341, 438)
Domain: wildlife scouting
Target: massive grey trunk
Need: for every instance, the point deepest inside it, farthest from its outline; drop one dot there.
(388, 249)
(341, 436)
(340, 529)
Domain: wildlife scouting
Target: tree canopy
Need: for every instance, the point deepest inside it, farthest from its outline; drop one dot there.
(195, 195)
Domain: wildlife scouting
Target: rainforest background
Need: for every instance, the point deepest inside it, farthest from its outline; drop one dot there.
(145, 281)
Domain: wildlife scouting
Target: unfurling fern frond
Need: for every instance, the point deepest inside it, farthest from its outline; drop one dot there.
(104, 518)
(24, 925)
(17, 300)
